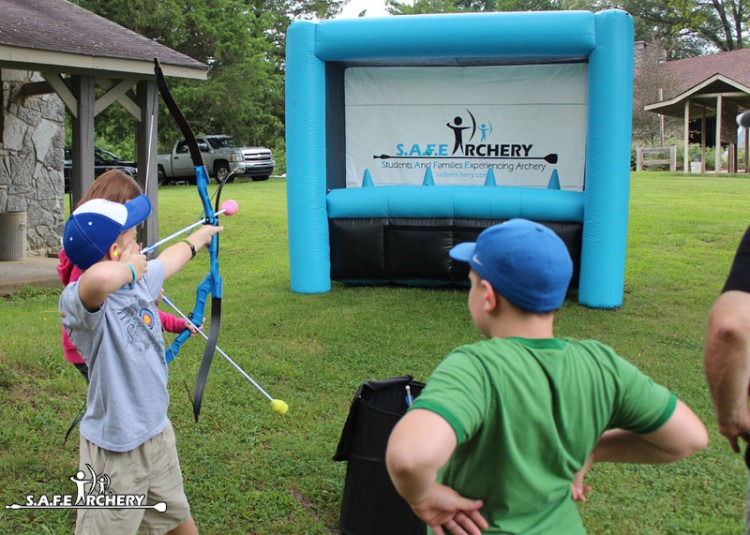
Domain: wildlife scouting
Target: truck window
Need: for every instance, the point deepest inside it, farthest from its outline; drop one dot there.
(221, 142)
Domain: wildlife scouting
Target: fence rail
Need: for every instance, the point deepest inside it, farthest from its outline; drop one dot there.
(642, 162)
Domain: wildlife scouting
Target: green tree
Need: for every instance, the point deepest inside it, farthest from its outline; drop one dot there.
(422, 7)
(682, 28)
(687, 28)
(242, 41)
(469, 6)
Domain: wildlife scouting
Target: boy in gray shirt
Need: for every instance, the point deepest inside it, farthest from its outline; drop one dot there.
(127, 441)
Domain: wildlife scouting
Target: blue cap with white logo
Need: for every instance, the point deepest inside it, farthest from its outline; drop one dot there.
(525, 262)
(95, 225)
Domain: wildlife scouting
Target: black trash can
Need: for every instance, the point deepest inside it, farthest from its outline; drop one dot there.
(371, 505)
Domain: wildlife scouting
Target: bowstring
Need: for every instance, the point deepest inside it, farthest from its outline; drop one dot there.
(179, 368)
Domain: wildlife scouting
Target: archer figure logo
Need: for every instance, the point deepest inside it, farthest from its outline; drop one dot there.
(458, 128)
(91, 493)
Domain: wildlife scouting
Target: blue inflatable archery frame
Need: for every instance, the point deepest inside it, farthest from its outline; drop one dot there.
(316, 55)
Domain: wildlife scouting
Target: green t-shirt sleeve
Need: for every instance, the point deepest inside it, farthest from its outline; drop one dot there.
(641, 405)
(457, 391)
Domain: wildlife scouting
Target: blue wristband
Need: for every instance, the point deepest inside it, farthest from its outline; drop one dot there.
(135, 277)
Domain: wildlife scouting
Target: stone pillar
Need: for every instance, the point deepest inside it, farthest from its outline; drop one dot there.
(31, 160)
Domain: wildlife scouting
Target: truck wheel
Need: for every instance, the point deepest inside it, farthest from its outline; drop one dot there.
(260, 178)
(162, 176)
(222, 171)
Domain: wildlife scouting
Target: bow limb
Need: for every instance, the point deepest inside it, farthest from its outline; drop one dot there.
(212, 284)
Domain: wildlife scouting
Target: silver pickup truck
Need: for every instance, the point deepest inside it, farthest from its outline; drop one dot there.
(222, 158)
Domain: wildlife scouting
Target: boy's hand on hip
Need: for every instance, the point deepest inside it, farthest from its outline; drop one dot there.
(446, 511)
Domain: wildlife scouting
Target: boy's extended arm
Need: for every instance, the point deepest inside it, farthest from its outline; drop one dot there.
(420, 444)
(105, 277)
(727, 363)
(681, 436)
(174, 257)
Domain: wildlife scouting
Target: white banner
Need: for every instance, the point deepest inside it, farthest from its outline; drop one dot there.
(520, 121)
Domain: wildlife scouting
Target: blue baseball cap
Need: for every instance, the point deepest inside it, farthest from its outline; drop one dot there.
(525, 262)
(95, 225)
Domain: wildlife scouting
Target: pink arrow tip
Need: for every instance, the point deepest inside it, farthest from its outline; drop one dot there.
(230, 207)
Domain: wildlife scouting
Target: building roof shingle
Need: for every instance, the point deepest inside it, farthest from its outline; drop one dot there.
(690, 72)
(696, 82)
(59, 28)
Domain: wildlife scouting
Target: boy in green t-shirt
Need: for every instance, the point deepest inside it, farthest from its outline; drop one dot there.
(505, 430)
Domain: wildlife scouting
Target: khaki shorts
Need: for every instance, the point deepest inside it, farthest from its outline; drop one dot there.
(152, 470)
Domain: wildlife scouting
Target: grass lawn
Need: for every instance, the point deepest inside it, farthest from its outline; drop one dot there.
(248, 470)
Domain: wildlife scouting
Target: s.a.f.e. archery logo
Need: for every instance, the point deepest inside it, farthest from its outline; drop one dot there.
(471, 140)
(92, 492)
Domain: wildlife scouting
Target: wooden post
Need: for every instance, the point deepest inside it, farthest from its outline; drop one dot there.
(719, 102)
(703, 140)
(145, 154)
(82, 172)
(686, 139)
